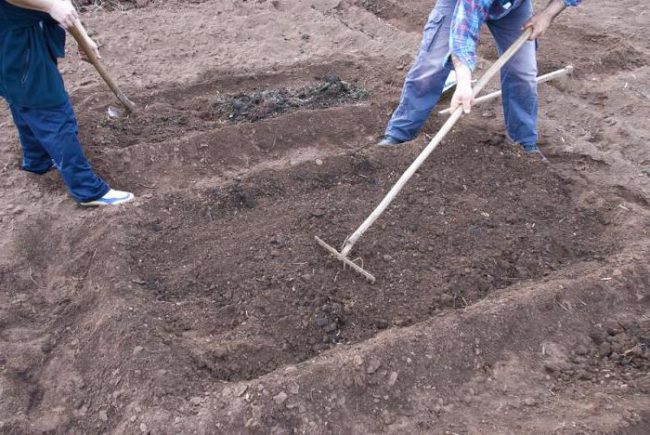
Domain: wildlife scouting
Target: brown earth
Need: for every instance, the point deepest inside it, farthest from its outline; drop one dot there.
(512, 296)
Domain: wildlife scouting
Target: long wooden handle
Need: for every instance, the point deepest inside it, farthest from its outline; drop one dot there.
(505, 57)
(446, 128)
(541, 79)
(80, 35)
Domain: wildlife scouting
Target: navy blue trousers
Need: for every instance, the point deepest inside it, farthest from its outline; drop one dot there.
(49, 138)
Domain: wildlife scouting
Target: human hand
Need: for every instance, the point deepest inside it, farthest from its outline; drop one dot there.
(542, 21)
(63, 13)
(540, 24)
(463, 96)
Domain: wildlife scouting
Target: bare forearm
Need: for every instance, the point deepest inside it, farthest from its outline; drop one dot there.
(554, 8)
(463, 73)
(542, 21)
(62, 11)
(36, 5)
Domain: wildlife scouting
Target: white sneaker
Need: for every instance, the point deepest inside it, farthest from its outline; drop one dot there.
(112, 197)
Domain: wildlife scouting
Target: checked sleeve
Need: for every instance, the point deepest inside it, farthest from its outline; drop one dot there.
(466, 24)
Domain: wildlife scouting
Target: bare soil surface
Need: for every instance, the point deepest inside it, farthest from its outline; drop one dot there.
(512, 296)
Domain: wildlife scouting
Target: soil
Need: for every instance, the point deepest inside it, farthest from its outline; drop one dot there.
(512, 296)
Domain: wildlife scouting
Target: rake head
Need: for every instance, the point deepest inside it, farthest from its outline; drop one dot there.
(346, 261)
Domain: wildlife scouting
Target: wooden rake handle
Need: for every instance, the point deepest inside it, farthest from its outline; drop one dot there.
(505, 57)
(444, 130)
(82, 38)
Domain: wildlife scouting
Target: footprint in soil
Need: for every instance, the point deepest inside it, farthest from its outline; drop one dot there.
(236, 196)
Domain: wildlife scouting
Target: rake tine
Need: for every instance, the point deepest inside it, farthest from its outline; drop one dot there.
(346, 260)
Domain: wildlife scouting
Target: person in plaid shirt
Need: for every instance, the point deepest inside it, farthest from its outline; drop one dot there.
(450, 40)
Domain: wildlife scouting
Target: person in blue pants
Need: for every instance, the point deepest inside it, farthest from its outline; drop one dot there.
(450, 41)
(31, 40)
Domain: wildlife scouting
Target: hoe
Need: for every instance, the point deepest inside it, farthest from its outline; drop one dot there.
(80, 35)
(455, 116)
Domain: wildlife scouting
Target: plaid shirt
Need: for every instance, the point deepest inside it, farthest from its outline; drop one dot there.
(467, 21)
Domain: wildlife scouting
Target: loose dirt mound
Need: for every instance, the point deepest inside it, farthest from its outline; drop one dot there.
(264, 104)
(512, 296)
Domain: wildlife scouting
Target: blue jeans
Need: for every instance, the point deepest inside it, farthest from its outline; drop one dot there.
(49, 138)
(426, 79)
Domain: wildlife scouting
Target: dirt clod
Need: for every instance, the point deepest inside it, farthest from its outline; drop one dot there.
(264, 104)
(392, 379)
(373, 365)
(280, 398)
(529, 401)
